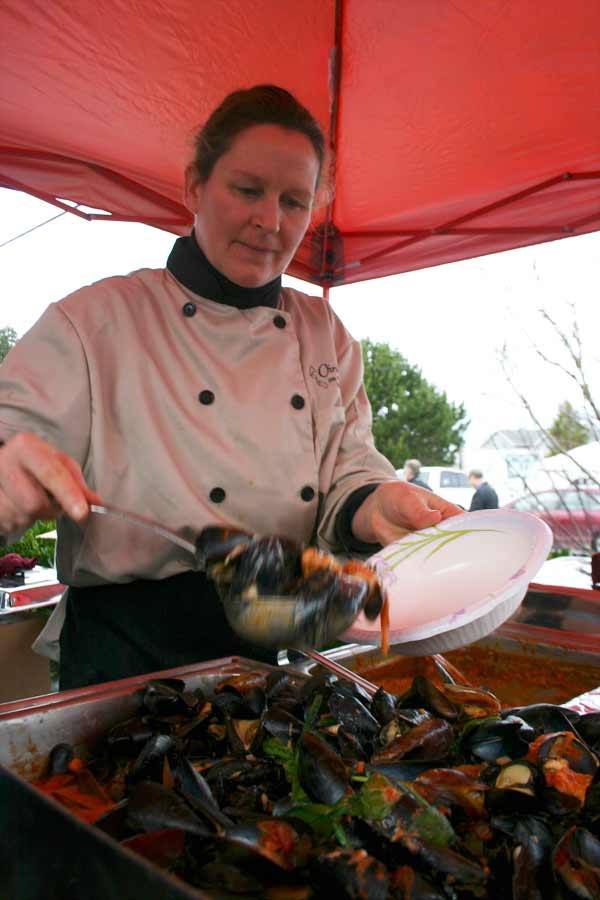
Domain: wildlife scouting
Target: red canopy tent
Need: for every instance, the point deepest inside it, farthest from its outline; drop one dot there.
(458, 128)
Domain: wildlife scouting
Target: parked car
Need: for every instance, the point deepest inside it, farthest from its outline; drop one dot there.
(451, 484)
(573, 514)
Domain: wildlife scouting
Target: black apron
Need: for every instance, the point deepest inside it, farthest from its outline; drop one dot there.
(121, 630)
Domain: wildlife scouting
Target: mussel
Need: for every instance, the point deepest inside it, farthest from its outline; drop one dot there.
(276, 593)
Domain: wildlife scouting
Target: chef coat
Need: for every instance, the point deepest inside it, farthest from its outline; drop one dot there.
(192, 412)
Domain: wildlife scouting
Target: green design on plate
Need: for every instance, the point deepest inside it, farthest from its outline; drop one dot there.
(436, 539)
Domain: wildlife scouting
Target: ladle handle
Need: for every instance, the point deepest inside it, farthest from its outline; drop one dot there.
(134, 519)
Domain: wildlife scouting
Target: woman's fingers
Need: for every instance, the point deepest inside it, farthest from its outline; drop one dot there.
(38, 481)
(395, 508)
(75, 469)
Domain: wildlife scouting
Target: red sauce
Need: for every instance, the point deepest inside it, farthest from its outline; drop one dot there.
(517, 679)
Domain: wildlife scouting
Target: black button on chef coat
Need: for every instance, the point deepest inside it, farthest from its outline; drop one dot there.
(189, 309)
(279, 322)
(206, 397)
(298, 401)
(307, 493)
(217, 495)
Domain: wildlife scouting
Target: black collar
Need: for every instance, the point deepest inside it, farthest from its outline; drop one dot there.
(190, 266)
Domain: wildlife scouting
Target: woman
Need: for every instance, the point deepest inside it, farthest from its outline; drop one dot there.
(188, 394)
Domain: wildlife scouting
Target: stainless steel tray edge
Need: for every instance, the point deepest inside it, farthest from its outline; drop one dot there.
(29, 728)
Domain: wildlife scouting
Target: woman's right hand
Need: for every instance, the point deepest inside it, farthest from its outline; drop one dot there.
(37, 481)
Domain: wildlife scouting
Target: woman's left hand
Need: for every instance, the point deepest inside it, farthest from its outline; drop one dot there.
(397, 507)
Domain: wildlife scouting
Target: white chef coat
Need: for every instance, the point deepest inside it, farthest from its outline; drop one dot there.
(192, 412)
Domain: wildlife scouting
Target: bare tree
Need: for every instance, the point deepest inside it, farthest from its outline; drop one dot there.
(575, 474)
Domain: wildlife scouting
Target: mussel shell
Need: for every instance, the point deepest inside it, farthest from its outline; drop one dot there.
(519, 775)
(565, 745)
(530, 880)
(543, 717)
(323, 683)
(274, 840)
(408, 884)
(166, 697)
(431, 739)
(59, 759)
(383, 706)
(473, 703)
(284, 686)
(423, 694)
(228, 774)
(404, 770)
(459, 868)
(231, 705)
(270, 565)
(242, 735)
(498, 738)
(277, 722)
(353, 715)
(152, 806)
(196, 790)
(350, 747)
(321, 770)
(149, 764)
(453, 788)
(352, 874)
(588, 727)
(215, 543)
(231, 878)
(576, 863)
(521, 828)
(129, 737)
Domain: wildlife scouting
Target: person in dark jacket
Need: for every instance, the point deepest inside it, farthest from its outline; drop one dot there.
(485, 497)
(412, 468)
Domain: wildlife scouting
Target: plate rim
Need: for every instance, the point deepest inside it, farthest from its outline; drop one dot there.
(480, 609)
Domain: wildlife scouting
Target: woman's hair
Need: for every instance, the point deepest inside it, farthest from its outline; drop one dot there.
(264, 104)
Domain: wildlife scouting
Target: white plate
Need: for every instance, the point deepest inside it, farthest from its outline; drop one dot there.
(455, 583)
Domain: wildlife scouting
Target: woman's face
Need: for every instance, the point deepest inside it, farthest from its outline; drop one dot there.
(253, 211)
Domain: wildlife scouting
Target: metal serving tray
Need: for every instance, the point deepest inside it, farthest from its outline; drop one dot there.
(29, 728)
(46, 853)
(560, 608)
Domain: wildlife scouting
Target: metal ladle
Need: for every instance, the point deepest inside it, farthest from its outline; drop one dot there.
(274, 621)
(135, 519)
(448, 671)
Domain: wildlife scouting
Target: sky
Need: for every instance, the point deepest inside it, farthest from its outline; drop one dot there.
(451, 321)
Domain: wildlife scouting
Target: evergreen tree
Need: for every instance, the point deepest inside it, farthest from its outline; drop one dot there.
(411, 418)
(8, 339)
(567, 429)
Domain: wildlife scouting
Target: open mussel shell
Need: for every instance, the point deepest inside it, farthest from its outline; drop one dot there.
(431, 739)
(352, 714)
(545, 718)
(497, 740)
(276, 593)
(423, 694)
(576, 863)
(59, 759)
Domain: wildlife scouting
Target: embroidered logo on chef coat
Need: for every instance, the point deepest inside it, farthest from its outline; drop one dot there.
(325, 374)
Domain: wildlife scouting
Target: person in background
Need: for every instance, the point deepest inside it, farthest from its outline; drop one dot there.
(187, 394)
(485, 497)
(412, 468)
